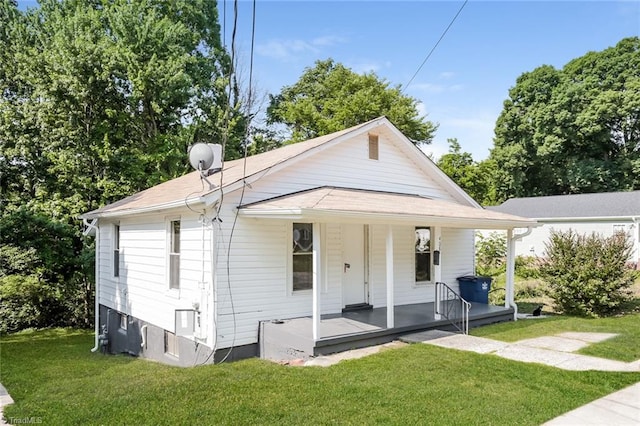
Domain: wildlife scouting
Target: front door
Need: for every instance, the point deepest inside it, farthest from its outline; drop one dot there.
(354, 286)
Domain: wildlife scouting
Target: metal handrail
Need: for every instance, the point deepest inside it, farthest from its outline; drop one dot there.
(456, 313)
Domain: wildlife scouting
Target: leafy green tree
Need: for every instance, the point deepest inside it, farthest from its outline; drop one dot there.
(473, 177)
(573, 130)
(587, 274)
(330, 97)
(100, 99)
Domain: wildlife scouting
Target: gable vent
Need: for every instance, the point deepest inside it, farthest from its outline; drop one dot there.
(373, 147)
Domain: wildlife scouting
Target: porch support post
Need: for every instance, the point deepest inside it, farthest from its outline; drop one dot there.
(511, 256)
(437, 269)
(316, 281)
(390, 284)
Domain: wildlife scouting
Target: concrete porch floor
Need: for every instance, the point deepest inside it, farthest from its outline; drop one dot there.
(292, 338)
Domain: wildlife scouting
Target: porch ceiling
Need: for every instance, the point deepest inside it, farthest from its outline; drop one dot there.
(331, 204)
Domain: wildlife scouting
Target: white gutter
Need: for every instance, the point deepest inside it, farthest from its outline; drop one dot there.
(150, 209)
(385, 218)
(96, 312)
(511, 255)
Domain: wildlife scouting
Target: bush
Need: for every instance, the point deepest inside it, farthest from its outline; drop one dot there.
(491, 254)
(44, 273)
(527, 267)
(587, 275)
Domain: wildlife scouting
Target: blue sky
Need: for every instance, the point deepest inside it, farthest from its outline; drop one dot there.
(464, 83)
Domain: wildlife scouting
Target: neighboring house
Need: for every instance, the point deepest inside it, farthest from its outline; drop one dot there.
(603, 213)
(358, 222)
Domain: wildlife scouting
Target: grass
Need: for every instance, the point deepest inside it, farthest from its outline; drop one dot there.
(624, 347)
(53, 377)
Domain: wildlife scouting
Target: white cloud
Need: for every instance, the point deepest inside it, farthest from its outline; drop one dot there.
(429, 88)
(289, 49)
(328, 40)
(284, 49)
(447, 75)
(435, 149)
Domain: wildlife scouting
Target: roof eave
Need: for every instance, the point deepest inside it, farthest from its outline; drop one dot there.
(383, 218)
(144, 210)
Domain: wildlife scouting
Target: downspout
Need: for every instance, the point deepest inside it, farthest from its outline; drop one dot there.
(96, 312)
(636, 243)
(511, 256)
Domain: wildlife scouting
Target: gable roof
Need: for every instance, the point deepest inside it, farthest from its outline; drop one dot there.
(385, 207)
(190, 188)
(600, 205)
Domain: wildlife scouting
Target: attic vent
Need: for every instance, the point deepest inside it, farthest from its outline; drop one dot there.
(373, 147)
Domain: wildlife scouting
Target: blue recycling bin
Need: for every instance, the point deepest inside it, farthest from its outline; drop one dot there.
(474, 288)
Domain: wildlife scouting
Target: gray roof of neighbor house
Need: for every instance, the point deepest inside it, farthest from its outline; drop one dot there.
(600, 205)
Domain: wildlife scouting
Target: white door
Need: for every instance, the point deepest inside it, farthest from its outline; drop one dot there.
(354, 288)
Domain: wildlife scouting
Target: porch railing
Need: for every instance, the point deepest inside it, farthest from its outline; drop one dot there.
(450, 305)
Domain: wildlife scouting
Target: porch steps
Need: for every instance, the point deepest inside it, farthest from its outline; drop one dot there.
(357, 307)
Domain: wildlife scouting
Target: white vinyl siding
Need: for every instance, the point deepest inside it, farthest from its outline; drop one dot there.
(258, 257)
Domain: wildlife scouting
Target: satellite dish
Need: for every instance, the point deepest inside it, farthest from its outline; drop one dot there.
(201, 156)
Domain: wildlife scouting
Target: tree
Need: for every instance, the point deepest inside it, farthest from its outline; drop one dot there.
(473, 177)
(100, 99)
(331, 97)
(573, 130)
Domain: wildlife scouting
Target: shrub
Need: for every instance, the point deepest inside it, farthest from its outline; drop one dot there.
(587, 275)
(527, 267)
(491, 254)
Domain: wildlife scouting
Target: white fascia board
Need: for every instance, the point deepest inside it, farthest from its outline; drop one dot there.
(145, 210)
(586, 219)
(382, 218)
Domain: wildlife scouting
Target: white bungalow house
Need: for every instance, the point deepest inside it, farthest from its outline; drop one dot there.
(602, 213)
(335, 242)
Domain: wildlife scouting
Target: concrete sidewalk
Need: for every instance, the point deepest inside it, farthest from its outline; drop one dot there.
(620, 408)
(5, 399)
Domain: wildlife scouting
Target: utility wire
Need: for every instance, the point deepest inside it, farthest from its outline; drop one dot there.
(435, 46)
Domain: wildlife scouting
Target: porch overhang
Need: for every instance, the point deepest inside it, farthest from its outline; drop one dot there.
(331, 204)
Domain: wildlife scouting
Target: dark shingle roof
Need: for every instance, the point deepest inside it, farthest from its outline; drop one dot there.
(607, 204)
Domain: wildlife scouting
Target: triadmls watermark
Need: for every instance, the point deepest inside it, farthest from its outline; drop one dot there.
(24, 420)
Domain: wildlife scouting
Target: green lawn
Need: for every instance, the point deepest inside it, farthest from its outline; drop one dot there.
(52, 376)
(625, 347)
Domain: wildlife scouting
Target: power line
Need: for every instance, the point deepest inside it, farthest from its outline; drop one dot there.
(436, 45)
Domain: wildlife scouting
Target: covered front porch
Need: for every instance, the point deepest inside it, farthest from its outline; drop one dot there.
(286, 339)
(373, 242)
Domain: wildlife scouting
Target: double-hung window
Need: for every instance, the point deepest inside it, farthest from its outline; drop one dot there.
(116, 250)
(423, 254)
(174, 254)
(302, 261)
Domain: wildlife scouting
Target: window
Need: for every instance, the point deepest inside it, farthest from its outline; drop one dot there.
(116, 250)
(123, 321)
(174, 254)
(302, 256)
(423, 254)
(171, 343)
(373, 147)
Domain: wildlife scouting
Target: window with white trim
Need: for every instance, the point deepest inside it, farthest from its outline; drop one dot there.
(116, 250)
(423, 256)
(302, 256)
(171, 346)
(174, 254)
